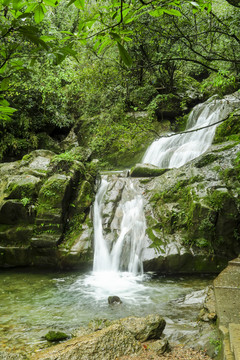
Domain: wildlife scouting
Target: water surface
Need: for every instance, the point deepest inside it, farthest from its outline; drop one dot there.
(32, 303)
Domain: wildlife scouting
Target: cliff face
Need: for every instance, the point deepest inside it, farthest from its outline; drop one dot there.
(45, 201)
(193, 213)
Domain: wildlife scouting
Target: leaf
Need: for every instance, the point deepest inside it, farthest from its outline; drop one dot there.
(126, 58)
(156, 13)
(28, 29)
(4, 84)
(104, 44)
(71, 2)
(79, 4)
(172, 12)
(47, 38)
(50, 3)
(115, 36)
(39, 12)
(7, 110)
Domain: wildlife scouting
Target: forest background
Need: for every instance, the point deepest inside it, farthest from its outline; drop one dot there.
(120, 71)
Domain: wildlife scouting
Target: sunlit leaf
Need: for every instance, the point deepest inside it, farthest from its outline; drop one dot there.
(172, 12)
(156, 13)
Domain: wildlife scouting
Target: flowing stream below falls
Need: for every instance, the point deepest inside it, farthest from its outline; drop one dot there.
(34, 302)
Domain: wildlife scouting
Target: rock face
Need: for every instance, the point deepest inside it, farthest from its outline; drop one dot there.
(193, 214)
(123, 337)
(45, 201)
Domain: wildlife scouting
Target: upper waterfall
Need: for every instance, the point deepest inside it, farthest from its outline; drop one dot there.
(177, 150)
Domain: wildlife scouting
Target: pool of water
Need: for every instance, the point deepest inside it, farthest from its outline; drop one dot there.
(32, 303)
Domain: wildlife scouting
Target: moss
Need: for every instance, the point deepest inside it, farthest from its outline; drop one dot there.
(53, 194)
(228, 130)
(206, 160)
(217, 199)
(22, 190)
(141, 170)
(55, 336)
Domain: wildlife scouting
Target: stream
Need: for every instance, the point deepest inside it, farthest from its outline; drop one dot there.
(34, 302)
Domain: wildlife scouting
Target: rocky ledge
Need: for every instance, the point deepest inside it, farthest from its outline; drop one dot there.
(45, 201)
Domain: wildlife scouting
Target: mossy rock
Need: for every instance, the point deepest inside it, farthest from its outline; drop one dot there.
(23, 186)
(206, 159)
(54, 194)
(146, 170)
(13, 211)
(55, 336)
(16, 235)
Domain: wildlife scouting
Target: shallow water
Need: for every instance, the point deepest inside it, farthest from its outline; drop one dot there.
(32, 303)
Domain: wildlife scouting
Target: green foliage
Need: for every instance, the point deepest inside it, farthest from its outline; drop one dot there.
(229, 129)
(223, 82)
(25, 201)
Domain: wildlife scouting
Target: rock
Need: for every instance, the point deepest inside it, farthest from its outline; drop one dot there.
(208, 313)
(55, 336)
(114, 300)
(150, 327)
(159, 346)
(146, 170)
(193, 212)
(108, 344)
(38, 210)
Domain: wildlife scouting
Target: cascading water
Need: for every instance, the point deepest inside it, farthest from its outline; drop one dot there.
(126, 251)
(119, 238)
(117, 267)
(177, 150)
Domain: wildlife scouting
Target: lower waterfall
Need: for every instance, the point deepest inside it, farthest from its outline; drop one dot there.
(125, 252)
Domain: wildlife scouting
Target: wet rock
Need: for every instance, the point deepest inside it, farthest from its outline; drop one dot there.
(146, 170)
(193, 211)
(150, 327)
(208, 312)
(114, 300)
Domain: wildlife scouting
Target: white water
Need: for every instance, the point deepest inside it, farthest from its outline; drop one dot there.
(110, 260)
(126, 251)
(117, 267)
(177, 150)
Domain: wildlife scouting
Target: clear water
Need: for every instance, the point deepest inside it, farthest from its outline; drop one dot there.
(32, 303)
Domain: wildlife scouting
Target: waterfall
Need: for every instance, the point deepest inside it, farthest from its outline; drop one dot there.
(177, 150)
(125, 252)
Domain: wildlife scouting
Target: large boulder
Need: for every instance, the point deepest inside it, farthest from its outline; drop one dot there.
(108, 344)
(45, 202)
(119, 338)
